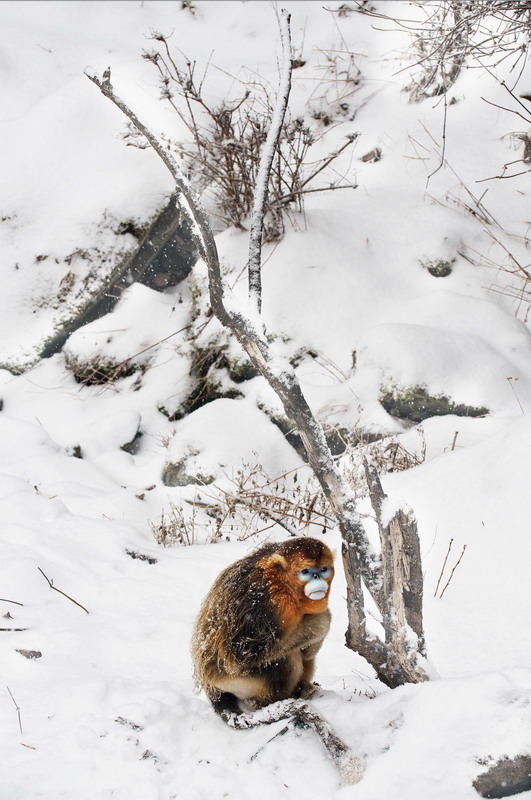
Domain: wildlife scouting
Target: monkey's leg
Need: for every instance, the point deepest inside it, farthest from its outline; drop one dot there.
(306, 687)
(227, 691)
(225, 703)
(277, 681)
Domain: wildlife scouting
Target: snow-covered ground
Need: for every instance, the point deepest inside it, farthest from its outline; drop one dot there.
(108, 710)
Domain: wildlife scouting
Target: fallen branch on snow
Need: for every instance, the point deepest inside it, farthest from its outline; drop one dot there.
(299, 714)
(50, 584)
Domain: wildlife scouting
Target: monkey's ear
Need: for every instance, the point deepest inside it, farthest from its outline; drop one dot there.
(276, 560)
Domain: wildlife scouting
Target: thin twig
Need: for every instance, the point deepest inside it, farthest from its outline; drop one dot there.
(504, 108)
(452, 572)
(50, 584)
(287, 198)
(320, 167)
(443, 137)
(3, 600)
(505, 177)
(12, 630)
(281, 732)
(17, 707)
(510, 381)
(130, 358)
(443, 566)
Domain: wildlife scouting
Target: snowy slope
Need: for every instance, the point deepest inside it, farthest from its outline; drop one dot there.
(108, 709)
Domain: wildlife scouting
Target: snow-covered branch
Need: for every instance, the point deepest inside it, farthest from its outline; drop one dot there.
(301, 715)
(266, 162)
(396, 660)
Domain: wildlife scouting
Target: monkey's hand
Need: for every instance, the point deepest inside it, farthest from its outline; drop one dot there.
(307, 689)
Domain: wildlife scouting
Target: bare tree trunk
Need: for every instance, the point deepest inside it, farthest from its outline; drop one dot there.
(400, 599)
(395, 581)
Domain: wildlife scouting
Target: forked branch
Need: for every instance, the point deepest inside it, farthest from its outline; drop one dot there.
(299, 714)
(358, 558)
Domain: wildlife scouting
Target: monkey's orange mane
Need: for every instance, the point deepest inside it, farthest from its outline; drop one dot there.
(286, 590)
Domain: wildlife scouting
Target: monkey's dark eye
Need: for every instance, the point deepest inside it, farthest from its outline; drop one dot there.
(325, 572)
(305, 575)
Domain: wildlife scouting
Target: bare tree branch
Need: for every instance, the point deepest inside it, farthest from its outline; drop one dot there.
(17, 708)
(300, 715)
(278, 372)
(358, 558)
(266, 162)
(50, 584)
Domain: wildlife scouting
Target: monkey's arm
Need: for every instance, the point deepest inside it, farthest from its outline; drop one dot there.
(307, 636)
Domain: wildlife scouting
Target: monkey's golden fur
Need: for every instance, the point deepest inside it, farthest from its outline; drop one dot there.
(257, 633)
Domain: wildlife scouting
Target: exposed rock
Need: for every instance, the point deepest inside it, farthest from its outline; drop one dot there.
(141, 556)
(133, 446)
(439, 267)
(181, 474)
(31, 654)
(241, 369)
(166, 252)
(507, 777)
(205, 391)
(416, 404)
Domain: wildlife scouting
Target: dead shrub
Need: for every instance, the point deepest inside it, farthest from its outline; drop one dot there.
(483, 34)
(98, 370)
(226, 142)
(248, 504)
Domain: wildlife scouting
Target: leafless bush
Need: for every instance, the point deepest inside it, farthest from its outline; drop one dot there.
(486, 32)
(249, 503)
(257, 498)
(99, 370)
(175, 528)
(226, 142)
(390, 455)
(331, 99)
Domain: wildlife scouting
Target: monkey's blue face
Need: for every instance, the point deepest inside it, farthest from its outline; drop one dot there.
(315, 581)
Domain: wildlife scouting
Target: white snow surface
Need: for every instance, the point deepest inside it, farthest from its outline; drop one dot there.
(108, 711)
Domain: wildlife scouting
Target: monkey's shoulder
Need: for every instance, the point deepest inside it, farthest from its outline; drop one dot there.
(249, 615)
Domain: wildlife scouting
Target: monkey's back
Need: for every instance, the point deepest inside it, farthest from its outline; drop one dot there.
(237, 626)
